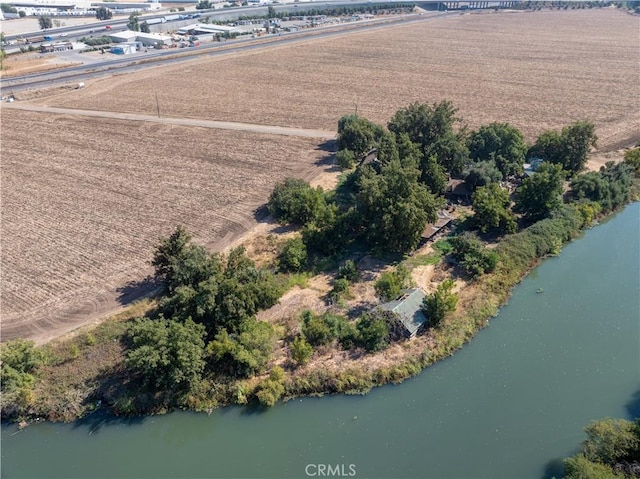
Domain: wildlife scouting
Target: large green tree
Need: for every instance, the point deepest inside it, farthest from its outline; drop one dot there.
(568, 148)
(432, 127)
(491, 206)
(295, 201)
(44, 22)
(166, 354)
(394, 208)
(539, 194)
(482, 173)
(357, 134)
(134, 24)
(499, 142)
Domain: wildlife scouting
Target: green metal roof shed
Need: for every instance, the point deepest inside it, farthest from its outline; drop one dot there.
(408, 308)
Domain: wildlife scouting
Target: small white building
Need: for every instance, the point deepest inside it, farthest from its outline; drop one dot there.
(205, 28)
(146, 39)
(124, 49)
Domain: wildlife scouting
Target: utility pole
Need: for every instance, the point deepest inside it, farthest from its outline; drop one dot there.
(157, 104)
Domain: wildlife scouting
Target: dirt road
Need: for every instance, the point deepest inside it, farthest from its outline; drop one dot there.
(219, 125)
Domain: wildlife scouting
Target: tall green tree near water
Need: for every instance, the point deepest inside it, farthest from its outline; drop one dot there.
(540, 194)
(166, 354)
(491, 206)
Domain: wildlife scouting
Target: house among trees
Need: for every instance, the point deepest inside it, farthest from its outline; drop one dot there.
(433, 230)
(408, 311)
(457, 190)
(531, 167)
(370, 157)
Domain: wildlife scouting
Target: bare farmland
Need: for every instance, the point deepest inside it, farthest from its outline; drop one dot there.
(538, 70)
(84, 199)
(84, 202)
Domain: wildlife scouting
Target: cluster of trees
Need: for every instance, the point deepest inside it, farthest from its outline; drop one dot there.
(372, 332)
(612, 450)
(134, 23)
(205, 325)
(103, 13)
(45, 22)
(20, 361)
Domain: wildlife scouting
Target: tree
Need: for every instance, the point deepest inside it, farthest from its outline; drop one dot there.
(133, 23)
(103, 13)
(245, 353)
(394, 208)
(6, 8)
(373, 331)
(204, 5)
(632, 158)
(301, 351)
(540, 193)
(568, 148)
(166, 354)
(472, 255)
(345, 159)
(431, 127)
(294, 201)
(499, 142)
(433, 175)
(443, 301)
(271, 12)
(293, 256)
(3, 53)
(144, 27)
(349, 271)
(44, 22)
(177, 262)
(316, 330)
(491, 206)
(390, 284)
(482, 173)
(358, 135)
(20, 359)
(611, 440)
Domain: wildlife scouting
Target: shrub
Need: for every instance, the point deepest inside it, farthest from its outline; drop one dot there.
(373, 331)
(301, 351)
(349, 271)
(472, 255)
(340, 289)
(437, 305)
(391, 283)
(316, 330)
(272, 389)
(293, 256)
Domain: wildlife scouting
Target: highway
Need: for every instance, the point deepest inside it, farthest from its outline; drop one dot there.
(221, 14)
(81, 73)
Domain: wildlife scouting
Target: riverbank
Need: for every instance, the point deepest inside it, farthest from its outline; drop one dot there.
(85, 371)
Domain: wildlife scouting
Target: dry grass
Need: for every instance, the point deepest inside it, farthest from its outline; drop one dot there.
(32, 62)
(84, 203)
(538, 70)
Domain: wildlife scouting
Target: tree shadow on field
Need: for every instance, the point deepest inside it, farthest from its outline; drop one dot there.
(328, 161)
(135, 290)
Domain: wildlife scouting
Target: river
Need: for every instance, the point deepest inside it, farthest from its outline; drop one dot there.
(508, 405)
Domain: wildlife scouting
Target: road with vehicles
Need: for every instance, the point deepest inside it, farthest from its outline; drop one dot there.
(76, 74)
(221, 14)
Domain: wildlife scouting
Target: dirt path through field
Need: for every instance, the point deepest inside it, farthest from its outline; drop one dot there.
(220, 125)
